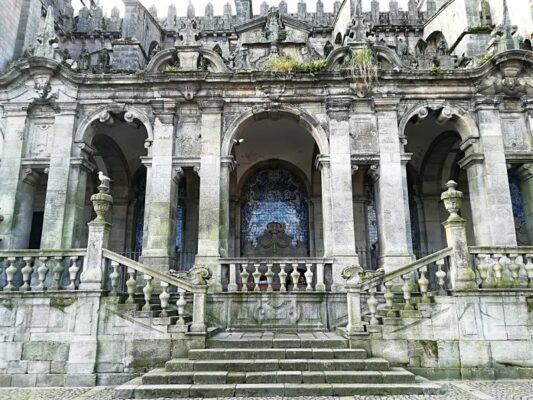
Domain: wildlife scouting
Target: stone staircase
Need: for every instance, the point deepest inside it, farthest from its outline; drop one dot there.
(269, 364)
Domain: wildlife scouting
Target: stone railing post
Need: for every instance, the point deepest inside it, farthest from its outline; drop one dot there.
(92, 277)
(462, 275)
(352, 276)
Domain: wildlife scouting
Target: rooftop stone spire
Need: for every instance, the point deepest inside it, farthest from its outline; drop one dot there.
(153, 10)
(191, 12)
(209, 11)
(302, 7)
(47, 39)
(319, 7)
(228, 12)
(264, 8)
(283, 8)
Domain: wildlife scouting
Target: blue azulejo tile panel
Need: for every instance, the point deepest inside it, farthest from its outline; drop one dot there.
(274, 195)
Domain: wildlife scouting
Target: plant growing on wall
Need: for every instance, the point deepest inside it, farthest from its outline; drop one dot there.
(282, 36)
(363, 66)
(286, 64)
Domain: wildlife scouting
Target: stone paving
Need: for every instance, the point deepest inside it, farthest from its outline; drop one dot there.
(500, 390)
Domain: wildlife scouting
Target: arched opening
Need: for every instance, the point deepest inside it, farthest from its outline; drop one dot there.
(276, 191)
(118, 141)
(435, 148)
(338, 39)
(522, 202)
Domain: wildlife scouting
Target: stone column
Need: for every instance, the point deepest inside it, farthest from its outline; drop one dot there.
(159, 239)
(209, 233)
(80, 169)
(342, 243)
(525, 173)
(24, 208)
(226, 166)
(55, 210)
(488, 182)
(392, 205)
(10, 171)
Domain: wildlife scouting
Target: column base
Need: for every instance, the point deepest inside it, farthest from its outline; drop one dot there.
(158, 261)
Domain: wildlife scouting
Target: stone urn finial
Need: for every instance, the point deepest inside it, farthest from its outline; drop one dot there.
(102, 202)
(453, 200)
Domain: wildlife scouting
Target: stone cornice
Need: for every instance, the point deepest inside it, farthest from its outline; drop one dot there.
(470, 160)
(386, 104)
(211, 106)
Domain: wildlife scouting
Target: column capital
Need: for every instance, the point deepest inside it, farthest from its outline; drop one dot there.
(322, 161)
(374, 172)
(386, 104)
(228, 162)
(83, 163)
(487, 103)
(211, 106)
(339, 109)
(525, 171)
(67, 108)
(30, 176)
(178, 174)
(472, 159)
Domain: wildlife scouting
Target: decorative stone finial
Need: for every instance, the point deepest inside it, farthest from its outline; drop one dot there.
(283, 8)
(453, 200)
(227, 12)
(264, 8)
(153, 10)
(302, 7)
(102, 201)
(209, 10)
(47, 39)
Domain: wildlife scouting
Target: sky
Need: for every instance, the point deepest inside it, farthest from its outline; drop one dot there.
(181, 5)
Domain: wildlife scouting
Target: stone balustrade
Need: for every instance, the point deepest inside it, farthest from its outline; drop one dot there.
(284, 275)
(40, 270)
(128, 277)
(503, 267)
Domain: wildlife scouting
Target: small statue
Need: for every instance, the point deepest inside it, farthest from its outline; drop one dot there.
(328, 48)
(103, 59)
(65, 55)
(155, 50)
(85, 60)
(402, 49)
(442, 48)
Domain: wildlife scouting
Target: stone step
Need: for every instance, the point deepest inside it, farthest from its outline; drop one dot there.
(277, 343)
(163, 377)
(272, 390)
(257, 365)
(300, 353)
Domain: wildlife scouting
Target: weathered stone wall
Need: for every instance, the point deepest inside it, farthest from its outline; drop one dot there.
(10, 16)
(469, 336)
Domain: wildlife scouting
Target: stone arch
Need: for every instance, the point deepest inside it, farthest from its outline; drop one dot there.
(153, 45)
(163, 57)
(84, 134)
(304, 119)
(465, 124)
(433, 39)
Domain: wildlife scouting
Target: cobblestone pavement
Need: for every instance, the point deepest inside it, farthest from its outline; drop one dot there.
(500, 390)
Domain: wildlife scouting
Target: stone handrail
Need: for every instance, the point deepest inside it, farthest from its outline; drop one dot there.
(503, 267)
(193, 282)
(276, 274)
(39, 270)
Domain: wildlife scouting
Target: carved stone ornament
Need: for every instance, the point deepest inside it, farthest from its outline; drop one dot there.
(197, 275)
(509, 81)
(43, 93)
(102, 203)
(352, 274)
(189, 34)
(453, 200)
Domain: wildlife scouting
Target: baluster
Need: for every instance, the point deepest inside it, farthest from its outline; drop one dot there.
(42, 271)
(27, 271)
(232, 286)
(483, 269)
(389, 299)
(320, 284)
(423, 284)
(58, 270)
(131, 285)
(529, 270)
(295, 277)
(441, 277)
(372, 303)
(147, 290)
(244, 277)
(270, 277)
(522, 273)
(180, 304)
(514, 270)
(163, 299)
(309, 277)
(497, 268)
(257, 277)
(11, 270)
(407, 289)
(283, 278)
(73, 273)
(114, 277)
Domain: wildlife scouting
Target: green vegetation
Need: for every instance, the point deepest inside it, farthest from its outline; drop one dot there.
(480, 29)
(169, 69)
(485, 58)
(286, 64)
(363, 66)
(435, 70)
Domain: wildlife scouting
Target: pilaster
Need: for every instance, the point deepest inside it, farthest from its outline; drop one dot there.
(161, 193)
(10, 171)
(54, 236)
(392, 204)
(488, 180)
(209, 226)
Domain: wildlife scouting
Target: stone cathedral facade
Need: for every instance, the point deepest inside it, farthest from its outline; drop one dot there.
(271, 180)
